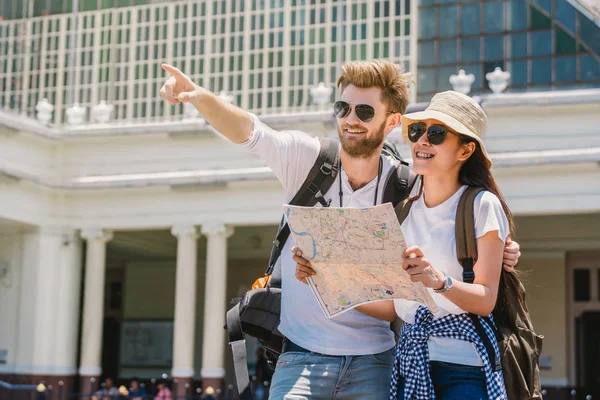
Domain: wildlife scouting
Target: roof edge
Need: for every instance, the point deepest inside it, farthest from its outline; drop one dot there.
(221, 177)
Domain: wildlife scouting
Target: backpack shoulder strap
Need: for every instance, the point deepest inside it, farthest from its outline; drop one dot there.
(318, 181)
(399, 183)
(466, 243)
(466, 251)
(403, 209)
(235, 336)
(320, 177)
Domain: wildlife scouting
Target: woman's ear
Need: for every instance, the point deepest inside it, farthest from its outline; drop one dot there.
(466, 151)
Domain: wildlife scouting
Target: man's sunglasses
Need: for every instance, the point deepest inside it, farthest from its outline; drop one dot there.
(436, 134)
(364, 112)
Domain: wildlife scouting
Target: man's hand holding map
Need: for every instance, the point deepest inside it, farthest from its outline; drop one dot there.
(357, 255)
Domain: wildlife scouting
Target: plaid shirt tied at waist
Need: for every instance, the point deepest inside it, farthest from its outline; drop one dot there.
(412, 354)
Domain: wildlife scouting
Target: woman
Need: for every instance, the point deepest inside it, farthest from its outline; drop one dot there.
(164, 393)
(440, 355)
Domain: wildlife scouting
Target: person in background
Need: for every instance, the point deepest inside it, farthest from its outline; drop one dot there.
(163, 391)
(108, 392)
(209, 393)
(136, 392)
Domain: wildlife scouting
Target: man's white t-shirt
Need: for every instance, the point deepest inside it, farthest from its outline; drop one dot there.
(432, 229)
(291, 155)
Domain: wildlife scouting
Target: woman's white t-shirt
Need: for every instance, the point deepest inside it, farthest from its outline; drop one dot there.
(432, 229)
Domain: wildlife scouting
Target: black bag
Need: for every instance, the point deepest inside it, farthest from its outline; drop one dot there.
(257, 313)
(520, 346)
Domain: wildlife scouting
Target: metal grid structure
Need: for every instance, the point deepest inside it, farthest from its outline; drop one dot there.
(544, 44)
(267, 54)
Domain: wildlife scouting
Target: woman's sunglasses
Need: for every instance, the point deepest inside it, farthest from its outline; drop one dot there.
(364, 112)
(436, 134)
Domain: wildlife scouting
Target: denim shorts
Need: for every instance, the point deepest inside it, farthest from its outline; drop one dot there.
(303, 375)
(454, 382)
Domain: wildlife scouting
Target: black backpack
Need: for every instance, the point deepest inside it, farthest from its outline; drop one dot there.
(520, 346)
(257, 313)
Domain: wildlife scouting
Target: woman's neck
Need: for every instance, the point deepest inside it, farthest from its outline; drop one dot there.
(438, 189)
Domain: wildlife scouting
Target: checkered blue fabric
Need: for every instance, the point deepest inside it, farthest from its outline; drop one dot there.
(412, 354)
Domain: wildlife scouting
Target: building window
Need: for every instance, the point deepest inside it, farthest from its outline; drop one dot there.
(115, 296)
(544, 44)
(494, 17)
(581, 287)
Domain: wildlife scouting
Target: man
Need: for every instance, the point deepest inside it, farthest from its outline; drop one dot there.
(350, 356)
(136, 392)
(209, 394)
(108, 392)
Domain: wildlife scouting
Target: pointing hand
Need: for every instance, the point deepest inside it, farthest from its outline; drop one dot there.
(179, 88)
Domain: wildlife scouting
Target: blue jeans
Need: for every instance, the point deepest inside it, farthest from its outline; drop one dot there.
(306, 376)
(454, 382)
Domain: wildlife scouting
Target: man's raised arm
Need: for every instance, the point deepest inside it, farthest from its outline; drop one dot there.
(232, 122)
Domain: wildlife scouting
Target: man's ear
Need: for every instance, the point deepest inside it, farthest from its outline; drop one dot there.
(467, 151)
(393, 122)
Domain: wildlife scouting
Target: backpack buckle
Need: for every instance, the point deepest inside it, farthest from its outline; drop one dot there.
(401, 183)
(468, 276)
(326, 168)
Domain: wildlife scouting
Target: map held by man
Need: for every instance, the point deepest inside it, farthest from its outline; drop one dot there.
(357, 255)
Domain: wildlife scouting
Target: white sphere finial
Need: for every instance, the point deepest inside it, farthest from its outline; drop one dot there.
(190, 113)
(321, 94)
(101, 112)
(75, 114)
(462, 82)
(226, 97)
(44, 111)
(498, 80)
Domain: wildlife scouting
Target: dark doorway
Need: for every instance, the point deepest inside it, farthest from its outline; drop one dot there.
(588, 352)
(110, 348)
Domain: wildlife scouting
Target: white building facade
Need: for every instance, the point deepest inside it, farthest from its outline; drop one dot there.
(127, 225)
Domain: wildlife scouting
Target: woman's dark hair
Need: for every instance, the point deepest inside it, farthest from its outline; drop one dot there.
(476, 172)
(163, 382)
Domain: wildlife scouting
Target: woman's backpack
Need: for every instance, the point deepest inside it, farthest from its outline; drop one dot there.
(520, 346)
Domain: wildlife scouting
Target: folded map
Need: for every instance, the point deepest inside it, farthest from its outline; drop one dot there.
(357, 255)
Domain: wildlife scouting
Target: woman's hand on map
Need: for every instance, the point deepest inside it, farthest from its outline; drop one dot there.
(303, 269)
(420, 270)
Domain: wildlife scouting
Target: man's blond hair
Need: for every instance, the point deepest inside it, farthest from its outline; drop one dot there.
(385, 75)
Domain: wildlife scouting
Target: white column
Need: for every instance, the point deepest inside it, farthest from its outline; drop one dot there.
(49, 305)
(41, 259)
(215, 302)
(93, 301)
(68, 297)
(185, 301)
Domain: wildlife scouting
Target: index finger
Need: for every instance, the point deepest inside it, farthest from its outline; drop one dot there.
(172, 70)
(413, 251)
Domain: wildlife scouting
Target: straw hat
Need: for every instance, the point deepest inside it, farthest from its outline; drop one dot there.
(457, 111)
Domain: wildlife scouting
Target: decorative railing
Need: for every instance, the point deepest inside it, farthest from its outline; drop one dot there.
(266, 56)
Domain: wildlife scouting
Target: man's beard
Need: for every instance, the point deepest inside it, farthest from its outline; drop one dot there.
(363, 147)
